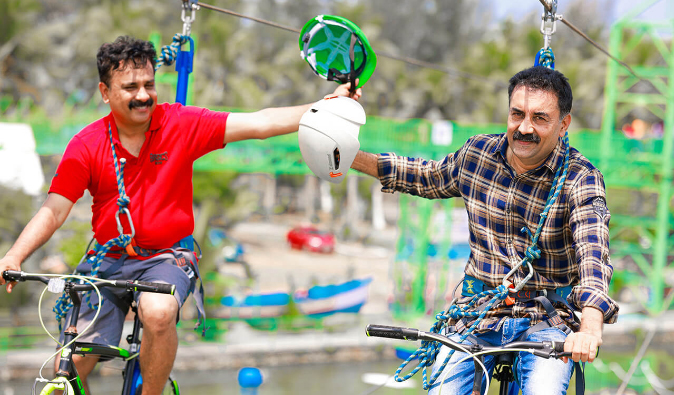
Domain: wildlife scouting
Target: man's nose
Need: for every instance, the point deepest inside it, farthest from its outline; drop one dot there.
(142, 94)
(526, 127)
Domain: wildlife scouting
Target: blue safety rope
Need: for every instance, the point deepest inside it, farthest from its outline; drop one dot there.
(545, 57)
(429, 349)
(169, 53)
(64, 304)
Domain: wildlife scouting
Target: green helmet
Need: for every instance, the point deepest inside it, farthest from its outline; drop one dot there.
(336, 49)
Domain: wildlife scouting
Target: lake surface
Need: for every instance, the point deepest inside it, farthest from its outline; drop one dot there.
(347, 378)
(324, 379)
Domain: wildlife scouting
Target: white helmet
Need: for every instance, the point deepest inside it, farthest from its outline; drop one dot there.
(328, 136)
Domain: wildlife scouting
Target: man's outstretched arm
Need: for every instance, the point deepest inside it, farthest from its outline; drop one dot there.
(366, 162)
(272, 122)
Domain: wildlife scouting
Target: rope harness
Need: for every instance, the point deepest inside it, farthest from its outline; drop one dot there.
(428, 351)
(124, 241)
(169, 53)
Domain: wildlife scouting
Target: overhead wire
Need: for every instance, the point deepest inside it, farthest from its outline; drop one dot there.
(404, 59)
(424, 64)
(548, 7)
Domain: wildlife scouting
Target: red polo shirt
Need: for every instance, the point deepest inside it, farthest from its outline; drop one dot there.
(158, 181)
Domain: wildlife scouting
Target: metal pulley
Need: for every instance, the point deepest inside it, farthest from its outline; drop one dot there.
(549, 20)
(188, 15)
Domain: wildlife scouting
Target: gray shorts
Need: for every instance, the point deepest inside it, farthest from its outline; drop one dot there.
(165, 268)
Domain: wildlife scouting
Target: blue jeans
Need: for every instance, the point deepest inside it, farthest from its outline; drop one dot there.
(535, 375)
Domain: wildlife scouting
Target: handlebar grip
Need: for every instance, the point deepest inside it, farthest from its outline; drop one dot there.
(156, 287)
(392, 332)
(12, 275)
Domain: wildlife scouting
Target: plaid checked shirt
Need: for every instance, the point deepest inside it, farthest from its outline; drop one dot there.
(574, 242)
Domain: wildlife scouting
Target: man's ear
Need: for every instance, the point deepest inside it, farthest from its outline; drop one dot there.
(104, 92)
(565, 125)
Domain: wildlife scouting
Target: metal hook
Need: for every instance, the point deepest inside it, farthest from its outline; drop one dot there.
(192, 7)
(549, 20)
(120, 228)
(512, 271)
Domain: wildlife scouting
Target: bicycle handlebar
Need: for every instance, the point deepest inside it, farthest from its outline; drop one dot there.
(129, 285)
(392, 332)
(544, 349)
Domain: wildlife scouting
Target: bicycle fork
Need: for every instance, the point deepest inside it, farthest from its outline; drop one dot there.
(67, 369)
(132, 368)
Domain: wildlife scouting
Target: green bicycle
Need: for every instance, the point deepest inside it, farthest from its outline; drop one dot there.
(67, 379)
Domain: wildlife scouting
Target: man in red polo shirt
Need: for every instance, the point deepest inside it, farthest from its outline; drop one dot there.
(158, 144)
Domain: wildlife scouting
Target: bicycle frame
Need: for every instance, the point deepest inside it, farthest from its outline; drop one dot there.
(67, 379)
(67, 369)
(503, 354)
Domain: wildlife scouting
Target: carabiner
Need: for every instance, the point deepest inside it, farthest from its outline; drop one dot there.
(192, 6)
(549, 20)
(512, 271)
(120, 228)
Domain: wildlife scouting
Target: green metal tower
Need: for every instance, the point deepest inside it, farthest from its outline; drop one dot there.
(638, 167)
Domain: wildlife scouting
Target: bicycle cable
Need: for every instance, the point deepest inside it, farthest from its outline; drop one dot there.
(484, 370)
(59, 350)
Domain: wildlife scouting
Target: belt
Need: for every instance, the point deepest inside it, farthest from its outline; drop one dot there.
(473, 286)
(186, 242)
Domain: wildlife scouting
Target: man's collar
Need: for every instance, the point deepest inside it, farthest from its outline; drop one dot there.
(556, 158)
(155, 123)
(502, 147)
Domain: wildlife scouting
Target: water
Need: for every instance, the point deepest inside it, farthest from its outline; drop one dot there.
(323, 379)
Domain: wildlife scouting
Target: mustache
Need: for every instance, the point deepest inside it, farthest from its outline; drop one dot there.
(526, 137)
(137, 103)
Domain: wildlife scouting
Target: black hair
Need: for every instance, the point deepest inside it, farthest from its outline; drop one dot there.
(119, 54)
(543, 78)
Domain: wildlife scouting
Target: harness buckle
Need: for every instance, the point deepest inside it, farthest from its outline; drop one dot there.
(509, 300)
(129, 248)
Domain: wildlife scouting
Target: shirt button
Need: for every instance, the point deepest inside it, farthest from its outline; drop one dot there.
(509, 240)
(508, 211)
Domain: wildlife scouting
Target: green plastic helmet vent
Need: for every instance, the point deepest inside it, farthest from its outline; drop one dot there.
(336, 49)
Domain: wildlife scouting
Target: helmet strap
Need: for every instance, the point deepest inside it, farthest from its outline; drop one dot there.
(352, 57)
(334, 74)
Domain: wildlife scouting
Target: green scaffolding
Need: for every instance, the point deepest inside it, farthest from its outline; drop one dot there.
(643, 166)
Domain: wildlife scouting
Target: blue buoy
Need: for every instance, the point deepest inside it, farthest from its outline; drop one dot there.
(249, 380)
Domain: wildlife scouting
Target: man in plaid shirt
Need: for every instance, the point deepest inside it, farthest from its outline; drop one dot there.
(505, 180)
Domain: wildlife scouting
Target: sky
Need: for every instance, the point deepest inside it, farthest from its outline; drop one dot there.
(619, 8)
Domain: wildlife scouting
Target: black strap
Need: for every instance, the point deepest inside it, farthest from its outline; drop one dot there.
(336, 75)
(352, 74)
(114, 267)
(477, 379)
(580, 377)
(113, 298)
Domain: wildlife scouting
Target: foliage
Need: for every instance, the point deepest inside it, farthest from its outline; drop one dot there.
(74, 246)
(243, 64)
(21, 206)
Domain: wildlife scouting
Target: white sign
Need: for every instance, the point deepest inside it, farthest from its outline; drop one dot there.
(19, 163)
(441, 133)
